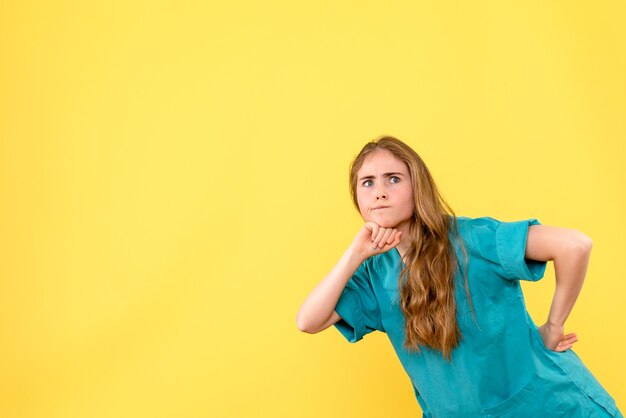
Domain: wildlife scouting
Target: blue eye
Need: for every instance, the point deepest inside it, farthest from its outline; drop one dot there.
(392, 177)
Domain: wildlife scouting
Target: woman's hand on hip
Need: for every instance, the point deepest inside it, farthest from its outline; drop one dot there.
(554, 339)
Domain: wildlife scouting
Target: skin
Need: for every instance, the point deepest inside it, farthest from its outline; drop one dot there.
(569, 249)
(384, 180)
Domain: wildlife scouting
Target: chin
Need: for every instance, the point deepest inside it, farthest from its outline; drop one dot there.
(385, 224)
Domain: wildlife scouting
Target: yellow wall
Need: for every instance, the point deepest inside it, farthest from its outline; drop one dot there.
(174, 183)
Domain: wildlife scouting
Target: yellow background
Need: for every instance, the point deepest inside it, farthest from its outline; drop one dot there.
(174, 183)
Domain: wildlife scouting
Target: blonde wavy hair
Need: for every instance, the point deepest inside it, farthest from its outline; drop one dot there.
(427, 282)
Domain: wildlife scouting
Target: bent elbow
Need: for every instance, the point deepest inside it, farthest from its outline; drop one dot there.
(303, 326)
(584, 243)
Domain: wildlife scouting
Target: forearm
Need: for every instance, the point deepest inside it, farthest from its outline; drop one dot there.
(570, 267)
(320, 303)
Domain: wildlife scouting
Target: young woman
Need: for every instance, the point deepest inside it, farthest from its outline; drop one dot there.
(446, 291)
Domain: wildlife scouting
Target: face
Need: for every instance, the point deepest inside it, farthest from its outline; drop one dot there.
(384, 180)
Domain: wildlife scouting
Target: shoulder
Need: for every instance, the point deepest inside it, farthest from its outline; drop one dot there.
(478, 233)
(464, 229)
(469, 222)
(467, 226)
(484, 226)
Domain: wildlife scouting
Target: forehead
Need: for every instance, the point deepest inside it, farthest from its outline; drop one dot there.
(381, 161)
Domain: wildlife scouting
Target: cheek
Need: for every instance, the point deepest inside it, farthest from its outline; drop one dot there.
(410, 204)
(360, 200)
(363, 207)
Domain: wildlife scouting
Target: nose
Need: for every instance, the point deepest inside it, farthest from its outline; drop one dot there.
(381, 193)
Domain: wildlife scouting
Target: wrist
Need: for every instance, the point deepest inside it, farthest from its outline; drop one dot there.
(554, 324)
(355, 256)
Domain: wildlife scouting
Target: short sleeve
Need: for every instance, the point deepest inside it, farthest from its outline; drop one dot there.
(504, 245)
(358, 306)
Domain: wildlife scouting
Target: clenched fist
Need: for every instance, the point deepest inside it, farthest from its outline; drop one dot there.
(374, 239)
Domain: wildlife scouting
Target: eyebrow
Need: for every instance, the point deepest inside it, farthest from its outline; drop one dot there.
(384, 175)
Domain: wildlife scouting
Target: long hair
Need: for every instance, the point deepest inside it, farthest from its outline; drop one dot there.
(427, 282)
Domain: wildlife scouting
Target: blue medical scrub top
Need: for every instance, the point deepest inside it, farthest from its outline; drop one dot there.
(501, 367)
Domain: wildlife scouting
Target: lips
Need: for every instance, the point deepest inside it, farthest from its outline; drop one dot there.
(379, 207)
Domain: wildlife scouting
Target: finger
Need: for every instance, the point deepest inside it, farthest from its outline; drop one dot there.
(564, 347)
(569, 341)
(376, 235)
(375, 228)
(566, 344)
(385, 237)
(392, 236)
(381, 232)
(396, 238)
